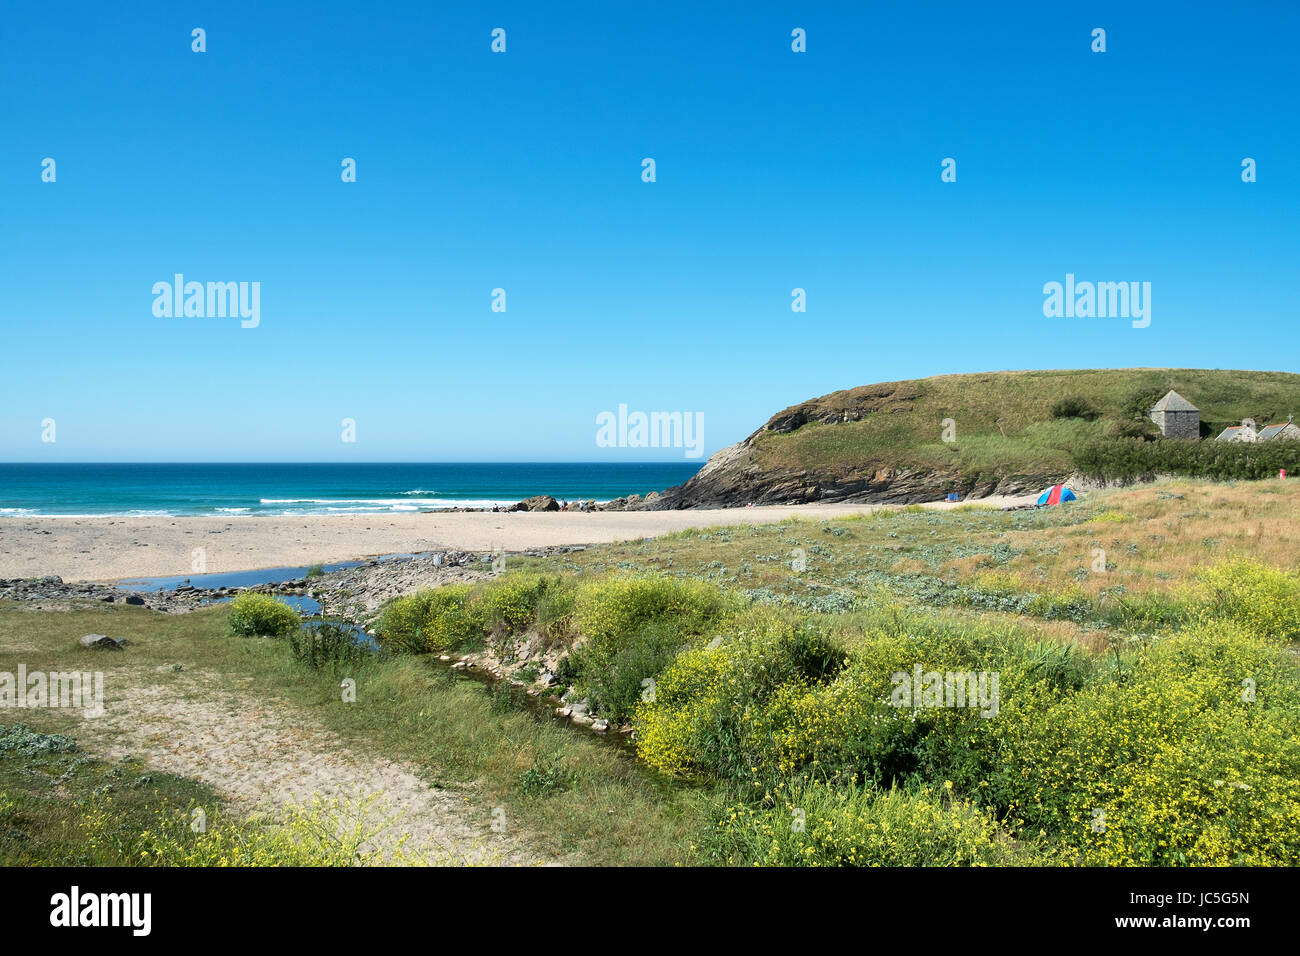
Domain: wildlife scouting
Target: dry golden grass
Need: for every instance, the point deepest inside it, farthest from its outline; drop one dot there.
(1157, 536)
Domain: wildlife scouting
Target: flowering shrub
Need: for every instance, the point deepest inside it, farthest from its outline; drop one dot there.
(460, 615)
(707, 709)
(1186, 755)
(252, 615)
(512, 599)
(608, 609)
(816, 825)
(632, 627)
(428, 622)
(1263, 600)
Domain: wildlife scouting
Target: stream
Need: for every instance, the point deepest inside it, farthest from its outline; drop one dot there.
(540, 706)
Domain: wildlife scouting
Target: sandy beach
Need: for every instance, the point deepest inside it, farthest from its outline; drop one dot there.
(112, 548)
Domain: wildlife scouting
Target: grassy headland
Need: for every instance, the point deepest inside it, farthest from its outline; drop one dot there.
(1004, 432)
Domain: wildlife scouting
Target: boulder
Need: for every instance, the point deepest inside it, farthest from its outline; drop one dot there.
(536, 503)
(100, 642)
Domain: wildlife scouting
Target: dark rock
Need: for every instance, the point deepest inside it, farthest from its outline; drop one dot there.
(536, 503)
(101, 642)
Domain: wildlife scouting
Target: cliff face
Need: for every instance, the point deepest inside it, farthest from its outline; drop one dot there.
(736, 475)
(734, 478)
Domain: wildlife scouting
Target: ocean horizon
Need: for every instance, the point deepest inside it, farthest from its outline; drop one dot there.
(232, 489)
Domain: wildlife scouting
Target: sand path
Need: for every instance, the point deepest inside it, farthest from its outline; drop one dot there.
(262, 755)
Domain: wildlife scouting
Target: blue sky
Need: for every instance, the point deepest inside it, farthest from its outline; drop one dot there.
(522, 171)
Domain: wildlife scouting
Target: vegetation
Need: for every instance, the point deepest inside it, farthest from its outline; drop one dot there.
(1075, 406)
(255, 615)
(1044, 563)
(1007, 423)
(818, 825)
(1132, 697)
(632, 626)
(605, 809)
(1130, 458)
(329, 644)
(60, 806)
(1143, 727)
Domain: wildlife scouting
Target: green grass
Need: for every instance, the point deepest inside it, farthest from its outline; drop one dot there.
(49, 788)
(616, 810)
(1004, 422)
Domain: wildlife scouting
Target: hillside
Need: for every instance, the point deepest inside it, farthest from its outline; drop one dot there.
(1014, 432)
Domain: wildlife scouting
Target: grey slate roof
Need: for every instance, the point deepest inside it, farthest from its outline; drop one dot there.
(1266, 433)
(1272, 431)
(1173, 402)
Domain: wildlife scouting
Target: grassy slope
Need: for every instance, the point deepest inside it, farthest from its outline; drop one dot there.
(1003, 419)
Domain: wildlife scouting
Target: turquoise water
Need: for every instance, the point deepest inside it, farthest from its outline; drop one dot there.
(288, 489)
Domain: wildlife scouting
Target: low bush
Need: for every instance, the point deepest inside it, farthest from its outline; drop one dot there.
(254, 615)
(615, 678)
(1141, 428)
(1074, 406)
(547, 776)
(460, 616)
(328, 644)
(608, 609)
(1185, 754)
(633, 627)
(1261, 599)
(705, 709)
(816, 825)
(1123, 458)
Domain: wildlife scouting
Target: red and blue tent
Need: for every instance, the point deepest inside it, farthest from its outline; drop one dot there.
(1055, 495)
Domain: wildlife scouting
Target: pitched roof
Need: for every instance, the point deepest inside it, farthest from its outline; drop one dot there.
(1272, 431)
(1228, 432)
(1173, 402)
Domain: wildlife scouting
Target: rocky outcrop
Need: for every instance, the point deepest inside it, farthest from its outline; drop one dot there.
(735, 477)
(732, 478)
(536, 503)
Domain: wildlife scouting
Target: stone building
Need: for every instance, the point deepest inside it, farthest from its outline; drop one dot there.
(1176, 416)
(1246, 432)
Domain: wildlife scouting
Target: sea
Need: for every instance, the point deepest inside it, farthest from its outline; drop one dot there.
(69, 489)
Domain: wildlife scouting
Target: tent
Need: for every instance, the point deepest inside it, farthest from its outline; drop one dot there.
(1055, 495)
